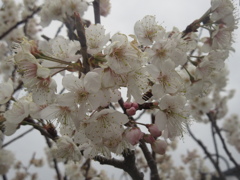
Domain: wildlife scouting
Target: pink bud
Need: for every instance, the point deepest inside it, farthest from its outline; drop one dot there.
(127, 105)
(135, 105)
(131, 111)
(153, 129)
(159, 146)
(149, 138)
(133, 135)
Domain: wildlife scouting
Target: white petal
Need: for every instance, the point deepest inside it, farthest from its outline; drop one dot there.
(161, 120)
(92, 82)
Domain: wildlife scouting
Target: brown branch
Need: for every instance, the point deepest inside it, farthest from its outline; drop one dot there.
(59, 30)
(128, 164)
(112, 162)
(96, 7)
(59, 176)
(212, 118)
(196, 24)
(4, 177)
(16, 138)
(83, 42)
(207, 154)
(86, 166)
(151, 162)
(20, 22)
(121, 103)
(30, 121)
(215, 143)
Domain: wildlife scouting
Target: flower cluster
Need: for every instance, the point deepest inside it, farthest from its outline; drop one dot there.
(176, 75)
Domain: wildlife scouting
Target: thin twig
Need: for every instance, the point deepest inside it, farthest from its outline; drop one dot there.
(86, 166)
(83, 42)
(96, 7)
(16, 138)
(215, 144)
(221, 157)
(121, 103)
(59, 30)
(45, 37)
(153, 121)
(4, 177)
(207, 154)
(213, 120)
(19, 23)
(29, 121)
(59, 176)
(151, 162)
(140, 115)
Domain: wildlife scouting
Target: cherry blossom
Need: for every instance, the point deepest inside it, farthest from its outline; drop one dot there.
(65, 148)
(146, 30)
(84, 92)
(96, 38)
(122, 57)
(6, 90)
(6, 160)
(167, 79)
(172, 116)
(92, 89)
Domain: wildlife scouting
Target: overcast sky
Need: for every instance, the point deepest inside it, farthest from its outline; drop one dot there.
(169, 13)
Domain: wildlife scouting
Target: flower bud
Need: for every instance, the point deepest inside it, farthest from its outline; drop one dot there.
(135, 105)
(153, 129)
(133, 135)
(127, 105)
(149, 138)
(131, 111)
(159, 146)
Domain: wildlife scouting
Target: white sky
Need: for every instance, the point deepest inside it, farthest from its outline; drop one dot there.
(124, 14)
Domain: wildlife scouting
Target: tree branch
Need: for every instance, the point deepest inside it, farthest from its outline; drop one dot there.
(128, 164)
(215, 144)
(83, 42)
(151, 162)
(212, 118)
(4, 177)
(59, 176)
(207, 154)
(96, 7)
(19, 23)
(113, 162)
(16, 138)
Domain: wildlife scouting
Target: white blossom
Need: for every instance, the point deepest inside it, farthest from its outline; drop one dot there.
(105, 7)
(146, 30)
(6, 160)
(122, 57)
(84, 92)
(172, 116)
(167, 79)
(6, 91)
(66, 149)
(96, 38)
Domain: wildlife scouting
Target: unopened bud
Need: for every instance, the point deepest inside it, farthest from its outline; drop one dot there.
(131, 111)
(153, 129)
(133, 135)
(159, 146)
(148, 138)
(127, 105)
(135, 105)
